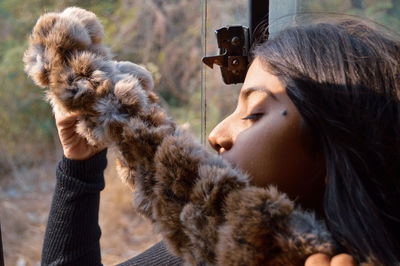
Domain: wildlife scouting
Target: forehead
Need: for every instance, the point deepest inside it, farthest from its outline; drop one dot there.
(258, 77)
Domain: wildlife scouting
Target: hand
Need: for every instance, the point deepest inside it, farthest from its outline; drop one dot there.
(75, 146)
(320, 259)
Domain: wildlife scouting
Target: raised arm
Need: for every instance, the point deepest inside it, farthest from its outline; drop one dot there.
(72, 233)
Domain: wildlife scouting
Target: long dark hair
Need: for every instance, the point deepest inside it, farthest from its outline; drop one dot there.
(344, 78)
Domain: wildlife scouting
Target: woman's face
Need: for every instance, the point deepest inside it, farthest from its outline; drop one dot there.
(264, 137)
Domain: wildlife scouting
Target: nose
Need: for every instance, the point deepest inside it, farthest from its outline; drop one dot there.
(221, 138)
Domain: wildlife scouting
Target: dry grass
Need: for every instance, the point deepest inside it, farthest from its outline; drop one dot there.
(25, 197)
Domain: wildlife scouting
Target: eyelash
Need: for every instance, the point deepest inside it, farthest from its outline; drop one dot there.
(252, 117)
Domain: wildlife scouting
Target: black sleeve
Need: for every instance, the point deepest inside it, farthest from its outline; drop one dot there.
(155, 255)
(73, 233)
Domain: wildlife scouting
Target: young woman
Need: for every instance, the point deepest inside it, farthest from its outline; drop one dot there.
(323, 126)
(317, 116)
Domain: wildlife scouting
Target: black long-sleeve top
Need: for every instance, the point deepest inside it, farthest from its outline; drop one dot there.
(73, 234)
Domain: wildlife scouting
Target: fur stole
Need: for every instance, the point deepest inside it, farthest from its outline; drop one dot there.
(205, 208)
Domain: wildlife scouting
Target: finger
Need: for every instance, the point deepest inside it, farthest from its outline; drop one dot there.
(67, 134)
(343, 260)
(66, 120)
(318, 259)
(70, 139)
(67, 131)
(61, 115)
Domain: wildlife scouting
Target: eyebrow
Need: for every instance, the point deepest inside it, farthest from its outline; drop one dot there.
(246, 92)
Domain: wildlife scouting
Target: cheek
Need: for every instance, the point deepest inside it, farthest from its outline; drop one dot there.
(271, 151)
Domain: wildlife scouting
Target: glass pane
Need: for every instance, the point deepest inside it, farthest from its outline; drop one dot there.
(283, 12)
(221, 98)
(386, 12)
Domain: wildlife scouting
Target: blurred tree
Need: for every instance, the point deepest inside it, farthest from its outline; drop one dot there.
(356, 3)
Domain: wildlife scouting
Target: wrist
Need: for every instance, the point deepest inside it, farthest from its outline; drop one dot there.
(82, 153)
(88, 170)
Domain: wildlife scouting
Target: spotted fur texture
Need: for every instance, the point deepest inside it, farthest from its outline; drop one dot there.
(205, 208)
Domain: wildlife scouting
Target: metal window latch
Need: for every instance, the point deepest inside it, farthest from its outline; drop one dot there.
(233, 44)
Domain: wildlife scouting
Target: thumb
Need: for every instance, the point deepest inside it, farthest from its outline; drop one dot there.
(318, 259)
(64, 118)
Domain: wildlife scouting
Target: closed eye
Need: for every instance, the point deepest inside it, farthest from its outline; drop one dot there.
(252, 117)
